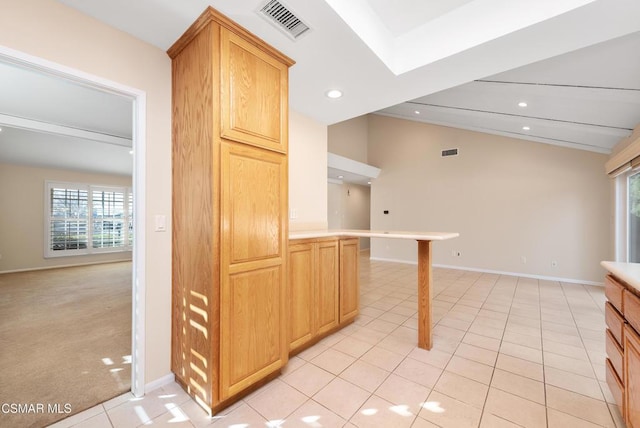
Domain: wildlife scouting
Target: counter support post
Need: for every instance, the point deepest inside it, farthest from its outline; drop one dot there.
(425, 288)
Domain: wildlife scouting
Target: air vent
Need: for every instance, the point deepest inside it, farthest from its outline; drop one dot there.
(279, 15)
(450, 152)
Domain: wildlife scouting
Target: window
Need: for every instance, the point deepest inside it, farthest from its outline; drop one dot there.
(633, 220)
(86, 219)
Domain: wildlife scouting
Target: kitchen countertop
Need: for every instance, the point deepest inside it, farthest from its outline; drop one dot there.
(628, 272)
(418, 236)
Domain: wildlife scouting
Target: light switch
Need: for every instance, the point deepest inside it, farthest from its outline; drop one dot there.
(161, 223)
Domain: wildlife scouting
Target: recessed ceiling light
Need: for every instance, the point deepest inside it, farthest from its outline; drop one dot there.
(0, 129)
(526, 128)
(417, 112)
(130, 152)
(334, 93)
(340, 176)
(368, 182)
(522, 104)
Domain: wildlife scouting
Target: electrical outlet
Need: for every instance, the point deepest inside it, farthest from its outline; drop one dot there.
(458, 253)
(524, 260)
(554, 264)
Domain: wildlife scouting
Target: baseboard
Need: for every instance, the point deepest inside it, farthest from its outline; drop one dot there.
(159, 383)
(497, 272)
(63, 266)
(404, 262)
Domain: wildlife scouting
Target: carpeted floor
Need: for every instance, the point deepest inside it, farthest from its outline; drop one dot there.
(65, 341)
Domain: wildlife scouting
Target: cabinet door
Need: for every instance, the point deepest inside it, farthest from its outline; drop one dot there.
(253, 269)
(301, 286)
(327, 285)
(632, 377)
(254, 94)
(349, 279)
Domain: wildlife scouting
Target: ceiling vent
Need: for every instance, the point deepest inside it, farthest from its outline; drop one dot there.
(450, 152)
(280, 16)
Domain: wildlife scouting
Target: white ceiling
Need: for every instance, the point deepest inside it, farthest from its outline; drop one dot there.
(47, 121)
(446, 56)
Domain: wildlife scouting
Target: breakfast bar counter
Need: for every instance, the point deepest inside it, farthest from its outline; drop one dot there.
(425, 280)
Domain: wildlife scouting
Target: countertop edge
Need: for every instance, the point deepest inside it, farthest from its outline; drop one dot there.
(627, 272)
(419, 236)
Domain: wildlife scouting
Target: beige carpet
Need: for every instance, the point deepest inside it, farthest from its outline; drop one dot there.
(65, 341)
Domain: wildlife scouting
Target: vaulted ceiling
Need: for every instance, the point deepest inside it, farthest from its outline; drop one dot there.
(461, 63)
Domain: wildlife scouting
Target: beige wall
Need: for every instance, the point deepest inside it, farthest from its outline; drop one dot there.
(55, 32)
(22, 191)
(507, 198)
(349, 208)
(350, 138)
(307, 173)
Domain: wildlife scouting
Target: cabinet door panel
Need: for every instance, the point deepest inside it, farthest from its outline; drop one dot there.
(632, 377)
(349, 281)
(301, 261)
(254, 94)
(327, 286)
(250, 326)
(254, 186)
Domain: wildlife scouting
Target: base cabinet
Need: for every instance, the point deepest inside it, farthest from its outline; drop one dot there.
(632, 377)
(622, 316)
(323, 276)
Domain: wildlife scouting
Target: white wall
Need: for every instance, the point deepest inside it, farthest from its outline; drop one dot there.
(507, 198)
(349, 208)
(22, 191)
(307, 173)
(52, 31)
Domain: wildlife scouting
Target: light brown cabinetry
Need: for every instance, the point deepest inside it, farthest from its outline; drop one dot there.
(632, 377)
(622, 316)
(321, 272)
(229, 210)
(349, 279)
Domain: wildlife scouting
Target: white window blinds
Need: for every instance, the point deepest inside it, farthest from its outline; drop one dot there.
(85, 219)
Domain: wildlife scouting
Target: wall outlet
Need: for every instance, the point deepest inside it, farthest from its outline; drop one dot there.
(554, 264)
(293, 213)
(458, 253)
(524, 260)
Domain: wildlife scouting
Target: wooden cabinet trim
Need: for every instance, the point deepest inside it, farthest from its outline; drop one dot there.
(210, 14)
(631, 305)
(613, 290)
(615, 353)
(632, 377)
(615, 386)
(614, 321)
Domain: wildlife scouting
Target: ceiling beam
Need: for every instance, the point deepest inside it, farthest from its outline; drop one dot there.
(50, 128)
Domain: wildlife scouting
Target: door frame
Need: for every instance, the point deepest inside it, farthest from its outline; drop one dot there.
(138, 98)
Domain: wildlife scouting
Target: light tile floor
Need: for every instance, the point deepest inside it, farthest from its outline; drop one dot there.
(507, 352)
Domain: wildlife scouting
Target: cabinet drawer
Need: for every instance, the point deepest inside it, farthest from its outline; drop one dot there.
(614, 290)
(614, 354)
(614, 321)
(615, 385)
(631, 305)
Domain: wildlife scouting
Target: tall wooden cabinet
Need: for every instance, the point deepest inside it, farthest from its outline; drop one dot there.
(230, 230)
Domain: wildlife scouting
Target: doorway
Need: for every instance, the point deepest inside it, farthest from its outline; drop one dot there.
(137, 277)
